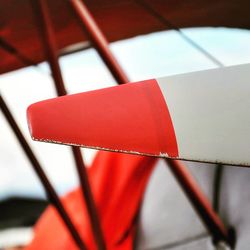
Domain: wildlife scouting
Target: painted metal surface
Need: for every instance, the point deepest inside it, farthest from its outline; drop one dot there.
(197, 116)
(116, 118)
(209, 110)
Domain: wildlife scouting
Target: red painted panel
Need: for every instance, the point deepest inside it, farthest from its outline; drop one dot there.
(132, 117)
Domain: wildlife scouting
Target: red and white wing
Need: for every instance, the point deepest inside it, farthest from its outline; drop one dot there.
(201, 116)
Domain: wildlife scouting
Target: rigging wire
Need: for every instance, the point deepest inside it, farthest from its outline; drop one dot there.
(28, 62)
(22, 58)
(12, 50)
(185, 37)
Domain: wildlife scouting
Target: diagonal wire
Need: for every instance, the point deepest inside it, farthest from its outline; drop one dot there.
(12, 50)
(5, 45)
(170, 25)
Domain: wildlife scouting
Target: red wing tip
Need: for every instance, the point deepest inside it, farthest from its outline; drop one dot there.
(34, 118)
(29, 115)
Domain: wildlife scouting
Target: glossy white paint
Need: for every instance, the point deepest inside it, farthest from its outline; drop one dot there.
(210, 112)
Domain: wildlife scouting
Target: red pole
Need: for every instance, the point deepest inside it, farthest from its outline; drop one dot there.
(50, 192)
(99, 41)
(49, 43)
(191, 188)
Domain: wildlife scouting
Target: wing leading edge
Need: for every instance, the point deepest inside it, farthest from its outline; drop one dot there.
(200, 116)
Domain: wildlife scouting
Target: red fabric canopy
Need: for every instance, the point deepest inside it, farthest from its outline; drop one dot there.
(118, 182)
(119, 19)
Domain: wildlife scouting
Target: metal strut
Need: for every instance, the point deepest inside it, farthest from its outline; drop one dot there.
(189, 185)
(49, 44)
(50, 191)
(99, 40)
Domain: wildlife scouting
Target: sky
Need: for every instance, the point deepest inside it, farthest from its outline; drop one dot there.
(143, 57)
